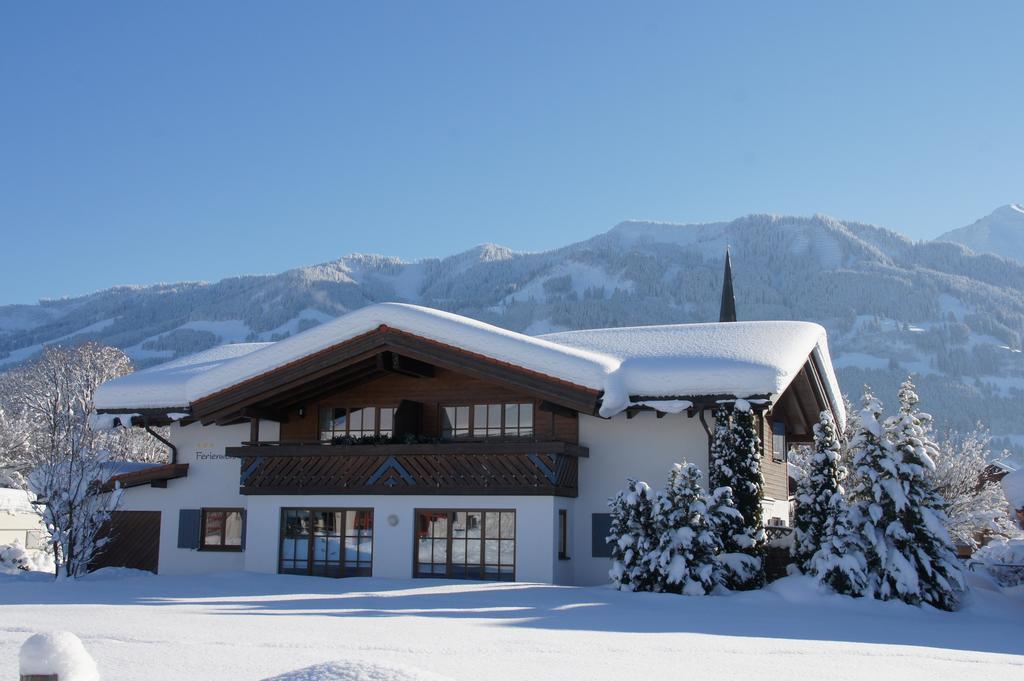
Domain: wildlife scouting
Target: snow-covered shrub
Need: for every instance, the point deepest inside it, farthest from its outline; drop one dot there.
(14, 557)
(1004, 560)
(909, 554)
(633, 537)
(975, 504)
(687, 547)
(59, 653)
(815, 504)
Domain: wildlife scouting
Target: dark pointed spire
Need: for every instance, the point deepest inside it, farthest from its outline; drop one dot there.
(728, 311)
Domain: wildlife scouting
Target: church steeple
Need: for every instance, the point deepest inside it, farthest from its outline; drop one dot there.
(728, 311)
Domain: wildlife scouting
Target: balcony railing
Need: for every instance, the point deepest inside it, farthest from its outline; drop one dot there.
(514, 467)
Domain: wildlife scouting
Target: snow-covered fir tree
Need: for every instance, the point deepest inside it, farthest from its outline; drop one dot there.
(816, 490)
(633, 537)
(740, 569)
(909, 555)
(840, 562)
(687, 547)
(720, 455)
(921, 536)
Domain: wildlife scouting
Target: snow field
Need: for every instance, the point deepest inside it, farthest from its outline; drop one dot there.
(249, 626)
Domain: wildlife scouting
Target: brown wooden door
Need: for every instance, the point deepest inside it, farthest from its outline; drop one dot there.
(134, 541)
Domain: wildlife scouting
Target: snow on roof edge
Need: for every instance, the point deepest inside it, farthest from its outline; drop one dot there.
(612, 370)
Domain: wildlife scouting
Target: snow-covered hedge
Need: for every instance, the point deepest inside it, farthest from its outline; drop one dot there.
(1004, 560)
(16, 558)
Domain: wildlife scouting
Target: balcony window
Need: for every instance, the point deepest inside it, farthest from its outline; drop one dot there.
(356, 422)
(455, 422)
(487, 420)
(512, 419)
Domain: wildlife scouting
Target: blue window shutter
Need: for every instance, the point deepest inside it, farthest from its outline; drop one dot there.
(245, 524)
(189, 521)
(600, 525)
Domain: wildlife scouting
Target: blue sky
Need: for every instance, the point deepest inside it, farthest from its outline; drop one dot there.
(146, 142)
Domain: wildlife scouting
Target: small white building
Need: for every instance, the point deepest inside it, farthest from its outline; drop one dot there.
(402, 441)
(20, 519)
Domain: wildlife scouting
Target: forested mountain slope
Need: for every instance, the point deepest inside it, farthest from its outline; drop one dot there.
(891, 305)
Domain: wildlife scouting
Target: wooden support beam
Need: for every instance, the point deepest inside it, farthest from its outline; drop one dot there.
(407, 366)
(557, 409)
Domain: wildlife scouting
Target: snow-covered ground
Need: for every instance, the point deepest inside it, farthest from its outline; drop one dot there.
(248, 626)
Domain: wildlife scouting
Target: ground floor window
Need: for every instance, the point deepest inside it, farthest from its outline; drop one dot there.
(222, 529)
(326, 542)
(466, 544)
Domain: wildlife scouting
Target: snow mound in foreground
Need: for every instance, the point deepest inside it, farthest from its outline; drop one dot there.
(358, 671)
(60, 653)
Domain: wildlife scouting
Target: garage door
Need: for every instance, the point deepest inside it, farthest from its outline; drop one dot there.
(134, 541)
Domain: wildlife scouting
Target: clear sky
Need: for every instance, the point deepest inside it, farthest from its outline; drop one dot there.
(144, 142)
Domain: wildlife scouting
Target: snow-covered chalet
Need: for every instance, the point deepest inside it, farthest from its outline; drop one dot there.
(402, 441)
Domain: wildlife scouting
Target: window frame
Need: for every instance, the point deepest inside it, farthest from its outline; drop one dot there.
(311, 545)
(450, 513)
(362, 432)
(563, 534)
(222, 546)
(504, 432)
(779, 453)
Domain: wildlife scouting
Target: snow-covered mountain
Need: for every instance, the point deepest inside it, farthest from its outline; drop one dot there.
(1000, 232)
(891, 305)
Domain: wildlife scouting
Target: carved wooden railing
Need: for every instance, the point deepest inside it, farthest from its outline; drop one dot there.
(514, 468)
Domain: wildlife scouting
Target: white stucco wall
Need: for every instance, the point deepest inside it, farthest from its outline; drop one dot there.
(643, 447)
(212, 482)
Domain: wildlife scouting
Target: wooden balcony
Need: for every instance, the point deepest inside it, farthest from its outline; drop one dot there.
(512, 467)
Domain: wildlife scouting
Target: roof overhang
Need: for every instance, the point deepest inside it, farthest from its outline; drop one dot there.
(156, 476)
(359, 359)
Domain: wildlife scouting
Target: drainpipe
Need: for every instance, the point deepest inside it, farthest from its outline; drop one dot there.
(161, 438)
(707, 430)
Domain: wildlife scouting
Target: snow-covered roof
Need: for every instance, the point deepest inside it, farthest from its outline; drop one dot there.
(1013, 488)
(740, 358)
(165, 386)
(16, 501)
(732, 358)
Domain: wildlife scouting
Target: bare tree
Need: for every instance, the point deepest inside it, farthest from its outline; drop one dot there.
(975, 503)
(67, 460)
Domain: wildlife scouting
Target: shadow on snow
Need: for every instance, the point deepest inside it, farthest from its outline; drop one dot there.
(788, 609)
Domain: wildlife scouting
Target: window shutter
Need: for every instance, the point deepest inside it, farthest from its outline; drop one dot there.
(600, 526)
(189, 521)
(245, 524)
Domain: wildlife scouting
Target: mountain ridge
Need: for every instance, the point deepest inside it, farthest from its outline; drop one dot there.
(891, 305)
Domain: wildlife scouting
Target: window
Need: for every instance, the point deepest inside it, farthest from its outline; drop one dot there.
(778, 442)
(519, 419)
(222, 529)
(563, 534)
(356, 422)
(466, 544)
(455, 422)
(512, 419)
(326, 542)
(487, 420)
